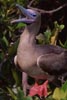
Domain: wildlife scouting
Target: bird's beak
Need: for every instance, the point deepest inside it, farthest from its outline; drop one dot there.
(28, 19)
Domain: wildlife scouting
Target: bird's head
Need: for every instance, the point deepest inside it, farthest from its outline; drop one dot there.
(31, 16)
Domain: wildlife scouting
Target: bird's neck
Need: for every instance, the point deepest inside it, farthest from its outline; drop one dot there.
(30, 32)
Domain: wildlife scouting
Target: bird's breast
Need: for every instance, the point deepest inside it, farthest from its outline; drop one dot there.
(26, 58)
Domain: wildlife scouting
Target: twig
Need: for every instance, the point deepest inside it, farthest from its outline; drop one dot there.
(30, 3)
(45, 11)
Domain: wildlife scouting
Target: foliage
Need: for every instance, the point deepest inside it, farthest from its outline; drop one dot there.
(50, 36)
(9, 75)
(61, 93)
(63, 45)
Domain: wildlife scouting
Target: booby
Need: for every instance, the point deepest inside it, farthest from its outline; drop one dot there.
(37, 60)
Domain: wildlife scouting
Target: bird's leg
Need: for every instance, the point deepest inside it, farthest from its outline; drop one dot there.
(25, 84)
(24, 78)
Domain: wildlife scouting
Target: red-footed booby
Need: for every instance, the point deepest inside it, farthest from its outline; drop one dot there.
(38, 61)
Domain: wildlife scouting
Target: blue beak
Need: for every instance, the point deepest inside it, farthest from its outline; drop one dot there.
(29, 18)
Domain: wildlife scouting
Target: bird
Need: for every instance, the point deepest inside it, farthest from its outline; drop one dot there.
(40, 61)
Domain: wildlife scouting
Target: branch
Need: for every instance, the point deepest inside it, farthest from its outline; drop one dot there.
(45, 11)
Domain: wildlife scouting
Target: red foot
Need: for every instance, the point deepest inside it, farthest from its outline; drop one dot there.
(40, 90)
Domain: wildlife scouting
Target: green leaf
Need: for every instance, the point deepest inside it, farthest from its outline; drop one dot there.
(36, 98)
(20, 25)
(16, 77)
(13, 48)
(4, 43)
(61, 27)
(40, 38)
(20, 95)
(65, 44)
(56, 25)
(64, 86)
(28, 98)
(5, 40)
(59, 94)
(1, 56)
(62, 45)
(12, 93)
(47, 35)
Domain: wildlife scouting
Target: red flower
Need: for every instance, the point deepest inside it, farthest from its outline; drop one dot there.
(40, 90)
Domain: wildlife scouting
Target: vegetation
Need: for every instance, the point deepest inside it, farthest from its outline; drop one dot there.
(10, 76)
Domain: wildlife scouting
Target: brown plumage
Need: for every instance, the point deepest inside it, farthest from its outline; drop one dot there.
(39, 61)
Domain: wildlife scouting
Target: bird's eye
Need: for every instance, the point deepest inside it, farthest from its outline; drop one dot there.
(34, 15)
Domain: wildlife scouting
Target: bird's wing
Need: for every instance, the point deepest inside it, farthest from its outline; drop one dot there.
(51, 63)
